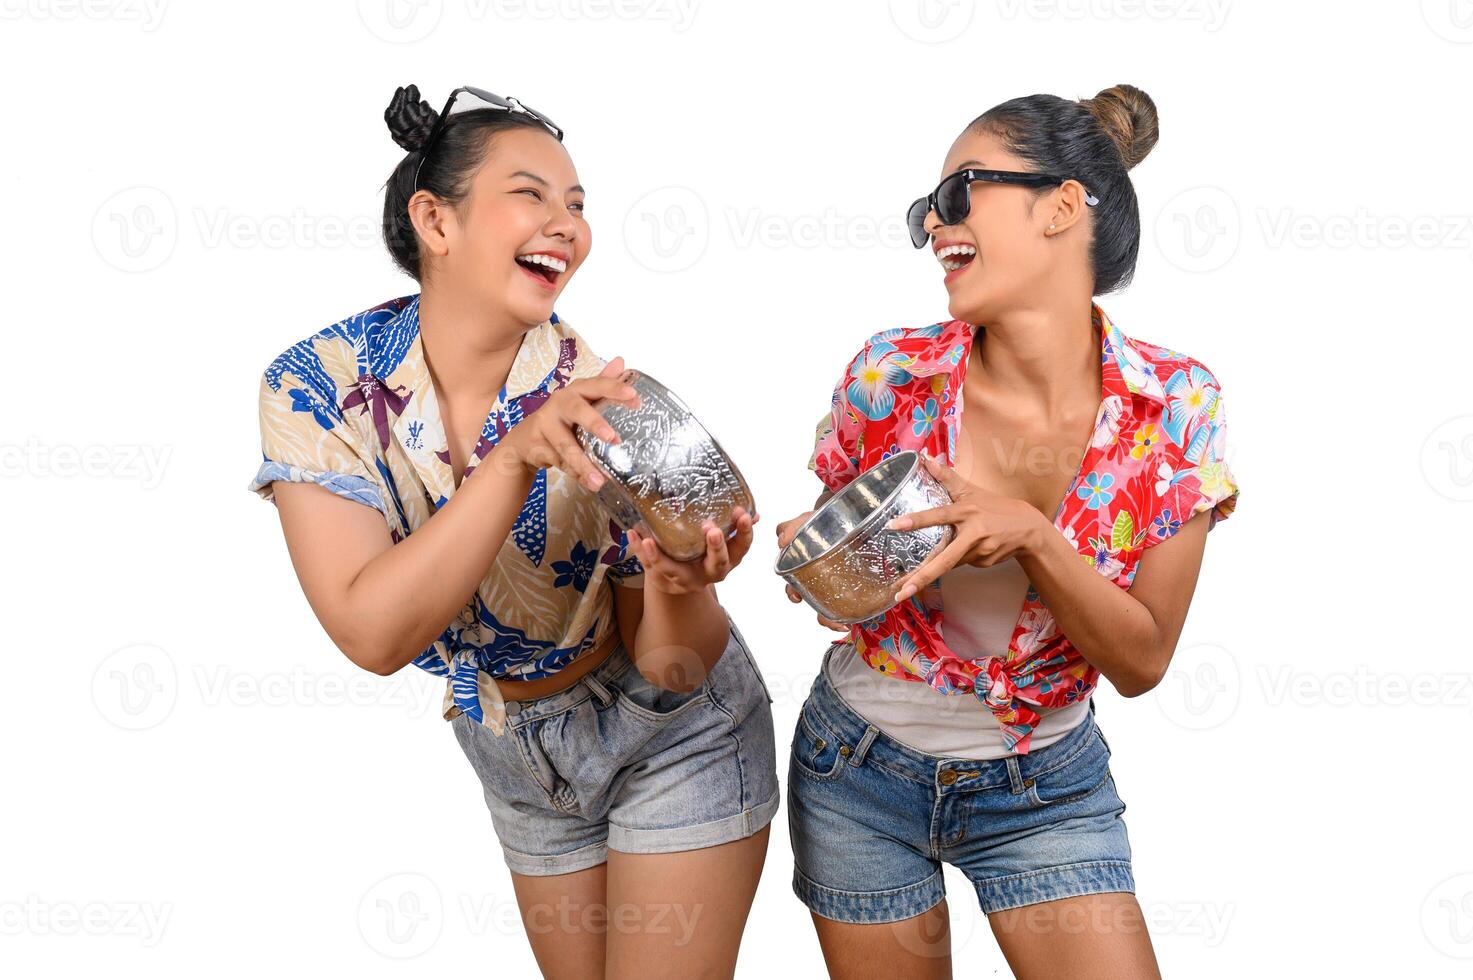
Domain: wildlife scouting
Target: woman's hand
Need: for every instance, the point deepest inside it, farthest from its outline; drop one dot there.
(673, 577)
(785, 533)
(548, 436)
(990, 528)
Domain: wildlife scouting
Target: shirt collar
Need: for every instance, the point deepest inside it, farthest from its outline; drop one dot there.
(1125, 369)
(420, 430)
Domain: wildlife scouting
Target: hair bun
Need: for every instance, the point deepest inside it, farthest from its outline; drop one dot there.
(1128, 117)
(410, 118)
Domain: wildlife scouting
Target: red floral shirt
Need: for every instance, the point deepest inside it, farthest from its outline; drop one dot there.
(1155, 460)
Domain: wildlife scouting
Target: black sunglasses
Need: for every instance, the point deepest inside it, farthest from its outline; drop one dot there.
(952, 198)
(479, 98)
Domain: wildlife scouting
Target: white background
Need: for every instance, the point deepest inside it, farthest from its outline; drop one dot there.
(196, 780)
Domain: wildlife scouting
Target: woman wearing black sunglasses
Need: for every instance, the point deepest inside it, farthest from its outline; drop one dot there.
(439, 512)
(1085, 469)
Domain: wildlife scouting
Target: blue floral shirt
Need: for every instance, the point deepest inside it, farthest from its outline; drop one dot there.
(353, 409)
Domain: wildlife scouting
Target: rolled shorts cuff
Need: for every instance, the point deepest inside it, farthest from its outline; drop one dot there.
(870, 908)
(667, 840)
(1051, 884)
(544, 865)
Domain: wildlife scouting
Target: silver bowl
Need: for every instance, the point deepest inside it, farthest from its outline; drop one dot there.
(667, 475)
(844, 562)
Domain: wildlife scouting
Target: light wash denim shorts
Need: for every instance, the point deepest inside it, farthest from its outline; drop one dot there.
(872, 819)
(616, 762)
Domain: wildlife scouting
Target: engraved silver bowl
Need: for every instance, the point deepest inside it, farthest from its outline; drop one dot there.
(667, 475)
(844, 562)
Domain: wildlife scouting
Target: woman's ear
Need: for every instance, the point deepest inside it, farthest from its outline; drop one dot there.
(1068, 208)
(433, 220)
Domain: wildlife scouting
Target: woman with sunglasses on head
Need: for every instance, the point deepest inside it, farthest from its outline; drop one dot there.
(439, 511)
(1085, 469)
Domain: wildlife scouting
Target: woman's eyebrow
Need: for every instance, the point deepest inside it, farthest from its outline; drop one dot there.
(531, 176)
(968, 163)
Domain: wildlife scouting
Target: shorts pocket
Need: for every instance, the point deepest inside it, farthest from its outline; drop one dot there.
(1081, 776)
(651, 703)
(817, 752)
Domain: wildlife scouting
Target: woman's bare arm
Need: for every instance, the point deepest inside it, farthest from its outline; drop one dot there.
(1129, 635)
(384, 603)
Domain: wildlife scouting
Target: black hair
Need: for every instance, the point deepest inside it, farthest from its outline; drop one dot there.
(1094, 141)
(446, 172)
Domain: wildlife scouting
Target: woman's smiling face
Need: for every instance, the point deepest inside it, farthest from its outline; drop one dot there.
(998, 255)
(520, 232)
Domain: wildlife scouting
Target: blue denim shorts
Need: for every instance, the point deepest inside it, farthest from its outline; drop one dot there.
(615, 761)
(872, 819)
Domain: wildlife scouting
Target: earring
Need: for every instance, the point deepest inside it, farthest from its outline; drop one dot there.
(1050, 227)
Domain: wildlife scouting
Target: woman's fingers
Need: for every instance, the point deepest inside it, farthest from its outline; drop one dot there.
(793, 595)
(950, 514)
(931, 570)
(585, 416)
(741, 542)
(833, 625)
(718, 560)
(613, 368)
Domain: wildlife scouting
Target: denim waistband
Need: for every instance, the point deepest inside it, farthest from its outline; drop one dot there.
(866, 742)
(592, 684)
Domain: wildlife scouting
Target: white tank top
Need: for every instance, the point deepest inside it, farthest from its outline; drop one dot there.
(980, 607)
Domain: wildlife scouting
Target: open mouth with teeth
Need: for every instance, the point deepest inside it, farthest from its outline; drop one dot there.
(954, 257)
(543, 267)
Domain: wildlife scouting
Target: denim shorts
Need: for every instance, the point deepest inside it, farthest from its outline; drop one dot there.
(873, 819)
(617, 762)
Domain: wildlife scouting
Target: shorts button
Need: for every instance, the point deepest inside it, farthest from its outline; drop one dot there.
(513, 708)
(1028, 783)
(947, 777)
(844, 750)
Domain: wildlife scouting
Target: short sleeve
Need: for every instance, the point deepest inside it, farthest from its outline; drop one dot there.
(1195, 476)
(837, 440)
(304, 440)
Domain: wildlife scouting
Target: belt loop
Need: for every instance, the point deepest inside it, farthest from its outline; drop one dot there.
(605, 698)
(862, 749)
(1015, 775)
